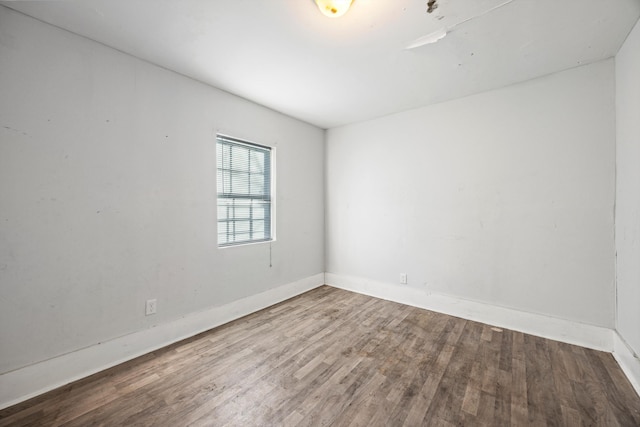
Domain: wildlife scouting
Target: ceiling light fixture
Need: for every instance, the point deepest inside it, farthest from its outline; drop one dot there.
(333, 8)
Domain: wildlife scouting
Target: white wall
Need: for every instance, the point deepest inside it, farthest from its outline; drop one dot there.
(108, 195)
(628, 189)
(505, 197)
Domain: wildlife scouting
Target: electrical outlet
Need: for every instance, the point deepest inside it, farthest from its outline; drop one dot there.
(151, 306)
(403, 278)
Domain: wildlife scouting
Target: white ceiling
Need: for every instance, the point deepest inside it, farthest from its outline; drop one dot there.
(286, 55)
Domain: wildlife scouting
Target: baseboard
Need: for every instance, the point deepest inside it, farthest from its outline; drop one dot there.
(567, 331)
(30, 381)
(627, 359)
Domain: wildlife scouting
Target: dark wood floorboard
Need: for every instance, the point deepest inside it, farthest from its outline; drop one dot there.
(332, 357)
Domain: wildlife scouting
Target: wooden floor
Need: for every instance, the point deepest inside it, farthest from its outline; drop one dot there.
(331, 357)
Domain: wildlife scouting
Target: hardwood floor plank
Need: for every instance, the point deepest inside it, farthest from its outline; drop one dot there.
(331, 357)
(471, 398)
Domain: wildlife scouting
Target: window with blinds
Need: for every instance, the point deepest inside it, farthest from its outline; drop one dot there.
(244, 192)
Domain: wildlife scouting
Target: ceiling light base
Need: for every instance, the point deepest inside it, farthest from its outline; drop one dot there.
(333, 8)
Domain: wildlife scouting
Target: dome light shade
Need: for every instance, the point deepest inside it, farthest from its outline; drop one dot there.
(333, 8)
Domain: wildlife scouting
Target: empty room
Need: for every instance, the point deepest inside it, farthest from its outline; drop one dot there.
(320, 212)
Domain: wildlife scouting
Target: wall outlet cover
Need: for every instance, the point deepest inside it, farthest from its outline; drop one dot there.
(151, 307)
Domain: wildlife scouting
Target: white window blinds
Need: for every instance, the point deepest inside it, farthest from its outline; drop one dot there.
(244, 191)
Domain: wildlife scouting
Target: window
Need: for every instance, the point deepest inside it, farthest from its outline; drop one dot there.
(244, 192)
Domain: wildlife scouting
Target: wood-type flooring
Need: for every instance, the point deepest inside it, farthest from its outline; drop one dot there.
(332, 357)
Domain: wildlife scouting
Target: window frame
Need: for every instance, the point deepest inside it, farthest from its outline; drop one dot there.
(269, 225)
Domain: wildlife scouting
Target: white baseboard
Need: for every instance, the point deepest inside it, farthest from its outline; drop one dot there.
(628, 361)
(567, 331)
(25, 383)
(30, 381)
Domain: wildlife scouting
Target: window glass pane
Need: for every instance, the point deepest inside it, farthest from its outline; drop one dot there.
(239, 158)
(258, 211)
(219, 149)
(257, 184)
(243, 227)
(258, 226)
(241, 237)
(225, 157)
(239, 183)
(257, 162)
(219, 179)
(222, 227)
(242, 212)
(224, 183)
(222, 213)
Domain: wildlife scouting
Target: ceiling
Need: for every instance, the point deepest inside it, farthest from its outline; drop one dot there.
(286, 55)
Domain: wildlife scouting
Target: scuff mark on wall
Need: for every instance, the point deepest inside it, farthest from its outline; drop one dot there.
(15, 130)
(431, 6)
